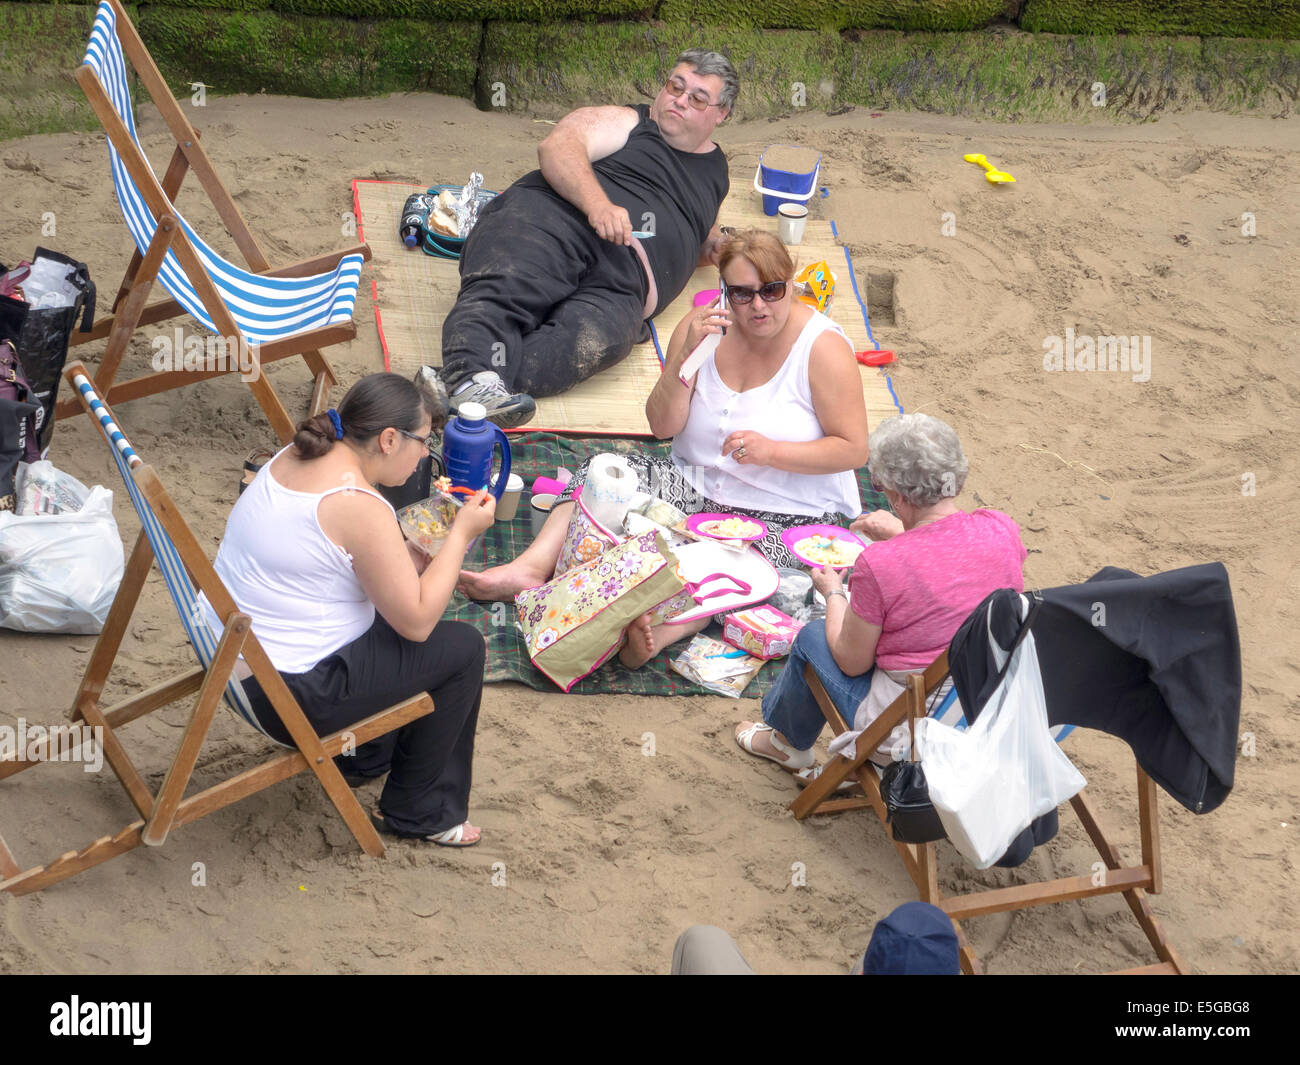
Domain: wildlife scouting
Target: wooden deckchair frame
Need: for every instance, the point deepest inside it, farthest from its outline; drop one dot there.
(129, 310)
(921, 860)
(168, 808)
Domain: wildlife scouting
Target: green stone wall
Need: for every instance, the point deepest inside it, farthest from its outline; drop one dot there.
(1153, 55)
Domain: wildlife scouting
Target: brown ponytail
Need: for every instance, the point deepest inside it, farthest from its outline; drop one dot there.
(377, 402)
(314, 437)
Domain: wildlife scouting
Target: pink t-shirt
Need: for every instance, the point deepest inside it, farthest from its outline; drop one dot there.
(921, 585)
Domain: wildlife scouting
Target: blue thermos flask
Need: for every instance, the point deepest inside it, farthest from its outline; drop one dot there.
(467, 445)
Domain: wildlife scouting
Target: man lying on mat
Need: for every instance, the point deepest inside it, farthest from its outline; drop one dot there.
(562, 270)
(781, 366)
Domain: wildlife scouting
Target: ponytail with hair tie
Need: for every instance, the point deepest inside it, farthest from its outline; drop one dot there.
(374, 403)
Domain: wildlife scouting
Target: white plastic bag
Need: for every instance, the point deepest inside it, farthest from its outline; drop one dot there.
(59, 572)
(990, 781)
(42, 488)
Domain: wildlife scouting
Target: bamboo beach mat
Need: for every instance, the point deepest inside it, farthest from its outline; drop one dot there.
(413, 293)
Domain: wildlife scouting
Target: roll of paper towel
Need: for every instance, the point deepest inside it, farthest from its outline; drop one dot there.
(609, 489)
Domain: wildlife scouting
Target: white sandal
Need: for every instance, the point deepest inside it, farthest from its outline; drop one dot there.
(794, 760)
(453, 837)
(804, 777)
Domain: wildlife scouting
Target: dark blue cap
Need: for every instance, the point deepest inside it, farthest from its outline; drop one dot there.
(917, 939)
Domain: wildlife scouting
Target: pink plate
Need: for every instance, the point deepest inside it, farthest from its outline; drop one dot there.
(696, 523)
(790, 537)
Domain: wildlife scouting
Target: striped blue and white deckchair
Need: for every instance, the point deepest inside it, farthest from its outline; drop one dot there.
(166, 538)
(261, 314)
(179, 586)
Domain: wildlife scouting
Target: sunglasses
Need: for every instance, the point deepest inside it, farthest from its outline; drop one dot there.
(698, 99)
(430, 441)
(769, 293)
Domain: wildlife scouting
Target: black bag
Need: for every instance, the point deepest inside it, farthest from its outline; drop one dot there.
(13, 414)
(41, 335)
(912, 817)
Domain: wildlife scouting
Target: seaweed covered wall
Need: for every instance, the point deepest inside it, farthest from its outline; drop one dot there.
(974, 57)
(1206, 18)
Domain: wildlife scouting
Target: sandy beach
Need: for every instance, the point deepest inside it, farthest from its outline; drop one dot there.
(595, 855)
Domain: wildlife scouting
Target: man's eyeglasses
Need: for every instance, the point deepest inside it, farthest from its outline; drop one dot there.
(769, 293)
(698, 98)
(429, 441)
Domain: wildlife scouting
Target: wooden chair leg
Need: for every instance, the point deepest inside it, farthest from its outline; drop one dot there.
(119, 617)
(182, 767)
(325, 380)
(127, 319)
(1135, 897)
(970, 964)
(8, 867)
(74, 862)
(119, 761)
(1149, 824)
(309, 745)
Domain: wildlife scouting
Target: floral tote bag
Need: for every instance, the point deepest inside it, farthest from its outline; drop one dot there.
(575, 622)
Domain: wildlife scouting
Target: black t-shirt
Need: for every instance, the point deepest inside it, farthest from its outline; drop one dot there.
(681, 190)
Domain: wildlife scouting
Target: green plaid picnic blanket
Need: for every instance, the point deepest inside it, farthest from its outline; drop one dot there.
(540, 454)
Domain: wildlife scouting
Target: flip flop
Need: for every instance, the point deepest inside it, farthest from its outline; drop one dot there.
(453, 837)
(795, 759)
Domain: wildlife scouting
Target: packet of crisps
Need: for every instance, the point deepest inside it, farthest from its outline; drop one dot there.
(815, 284)
(717, 666)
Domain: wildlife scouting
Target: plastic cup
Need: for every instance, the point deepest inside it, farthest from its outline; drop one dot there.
(540, 510)
(508, 504)
(793, 217)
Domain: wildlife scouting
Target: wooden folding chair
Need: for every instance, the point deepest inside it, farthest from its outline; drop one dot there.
(921, 861)
(166, 538)
(293, 310)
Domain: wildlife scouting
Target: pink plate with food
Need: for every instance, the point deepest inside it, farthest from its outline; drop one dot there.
(726, 527)
(823, 545)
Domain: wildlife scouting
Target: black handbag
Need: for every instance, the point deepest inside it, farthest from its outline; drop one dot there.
(912, 817)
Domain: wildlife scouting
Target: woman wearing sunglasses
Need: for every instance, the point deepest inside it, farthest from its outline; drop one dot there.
(350, 617)
(771, 426)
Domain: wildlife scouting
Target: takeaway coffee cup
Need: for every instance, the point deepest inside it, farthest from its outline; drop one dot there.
(508, 504)
(794, 216)
(540, 510)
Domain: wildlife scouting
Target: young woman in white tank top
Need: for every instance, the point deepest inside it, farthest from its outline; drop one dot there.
(351, 616)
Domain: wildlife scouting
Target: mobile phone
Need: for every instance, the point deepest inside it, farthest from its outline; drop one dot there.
(722, 299)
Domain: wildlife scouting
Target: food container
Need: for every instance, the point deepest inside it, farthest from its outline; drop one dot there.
(763, 631)
(427, 523)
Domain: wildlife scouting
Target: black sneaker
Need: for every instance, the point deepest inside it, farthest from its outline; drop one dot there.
(506, 409)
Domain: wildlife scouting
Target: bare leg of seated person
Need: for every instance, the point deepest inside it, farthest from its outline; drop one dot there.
(644, 640)
(531, 569)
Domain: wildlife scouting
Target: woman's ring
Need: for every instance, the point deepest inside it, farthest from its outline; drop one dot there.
(740, 452)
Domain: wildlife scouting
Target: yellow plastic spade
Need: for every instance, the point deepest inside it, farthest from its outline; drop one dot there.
(992, 174)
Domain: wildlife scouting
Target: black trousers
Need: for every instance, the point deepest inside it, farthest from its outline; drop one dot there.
(429, 761)
(543, 301)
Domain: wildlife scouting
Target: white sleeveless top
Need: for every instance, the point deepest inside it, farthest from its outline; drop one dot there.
(781, 409)
(286, 574)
